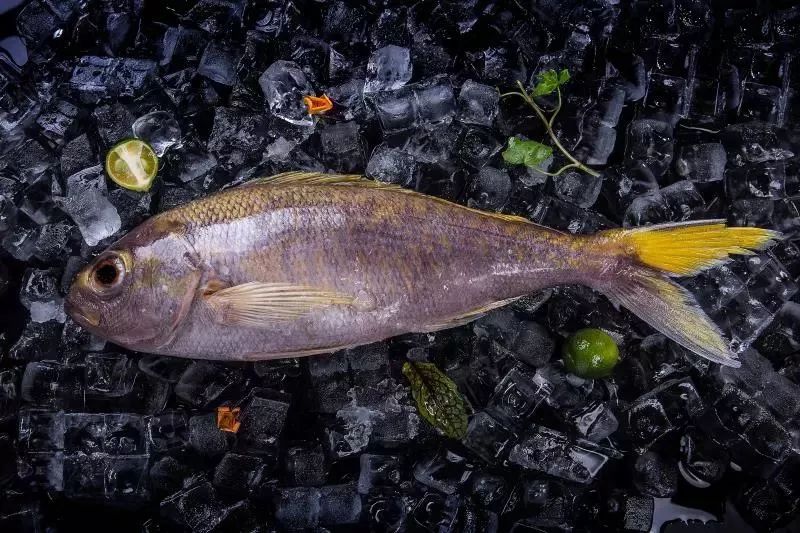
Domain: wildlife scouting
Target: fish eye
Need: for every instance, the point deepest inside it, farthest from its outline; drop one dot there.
(108, 273)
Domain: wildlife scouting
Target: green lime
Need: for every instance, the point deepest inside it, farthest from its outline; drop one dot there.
(590, 353)
(132, 164)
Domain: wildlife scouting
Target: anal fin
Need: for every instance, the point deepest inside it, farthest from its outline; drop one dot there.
(257, 304)
(466, 318)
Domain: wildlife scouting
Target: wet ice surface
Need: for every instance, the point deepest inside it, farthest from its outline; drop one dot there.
(689, 112)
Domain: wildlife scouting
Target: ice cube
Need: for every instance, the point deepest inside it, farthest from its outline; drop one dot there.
(87, 205)
(356, 429)
(126, 478)
(158, 129)
(330, 382)
(596, 143)
(109, 374)
(490, 189)
(95, 78)
(48, 383)
(761, 180)
(478, 103)
(297, 508)
(181, 47)
(197, 507)
(341, 146)
(40, 430)
(42, 469)
(42, 21)
(703, 461)
(284, 86)
(339, 504)
(195, 163)
(218, 16)
(669, 406)
(39, 294)
(444, 471)
(8, 209)
(238, 136)
(9, 393)
(435, 101)
(773, 502)
(378, 472)
(517, 396)
(766, 386)
(57, 120)
(655, 475)
(389, 68)
(76, 155)
(218, 63)
(755, 142)
(487, 438)
(397, 111)
(169, 369)
(749, 432)
(205, 437)
(37, 341)
(31, 160)
(168, 431)
(53, 240)
(594, 421)
(114, 123)
(650, 141)
(203, 382)
(702, 163)
(748, 300)
(579, 188)
(305, 466)
(132, 207)
(391, 165)
(238, 473)
(761, 102)
(477, 146)
(489, 489)
(552, 212)
(262, 418)
(666, 97)
(549, 451)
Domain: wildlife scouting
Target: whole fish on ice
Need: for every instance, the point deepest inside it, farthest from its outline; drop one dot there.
(308, 263)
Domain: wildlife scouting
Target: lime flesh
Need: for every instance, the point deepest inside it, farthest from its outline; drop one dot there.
(132, 164)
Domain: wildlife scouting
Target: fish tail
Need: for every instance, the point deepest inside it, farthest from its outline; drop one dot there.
(652, 254)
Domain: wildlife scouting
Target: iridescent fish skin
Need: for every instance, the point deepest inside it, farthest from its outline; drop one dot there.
(304, 264)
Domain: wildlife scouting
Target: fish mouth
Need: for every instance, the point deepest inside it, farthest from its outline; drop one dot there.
(82, 316)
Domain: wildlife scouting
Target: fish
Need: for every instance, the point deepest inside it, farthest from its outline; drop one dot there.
(306, 263)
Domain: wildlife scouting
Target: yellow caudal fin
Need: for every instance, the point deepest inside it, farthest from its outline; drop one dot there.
(686, 248)
(642, 285)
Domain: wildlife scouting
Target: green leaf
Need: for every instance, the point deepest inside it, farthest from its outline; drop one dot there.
(526, 152)
(438, 399)
(549, 81)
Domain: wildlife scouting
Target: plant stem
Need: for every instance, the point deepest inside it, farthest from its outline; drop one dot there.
(548, 123)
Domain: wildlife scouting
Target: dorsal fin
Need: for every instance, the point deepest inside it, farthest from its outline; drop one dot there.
(300, 178)
(305, 178)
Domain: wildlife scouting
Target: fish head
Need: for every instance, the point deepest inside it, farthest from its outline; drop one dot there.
(137, 292)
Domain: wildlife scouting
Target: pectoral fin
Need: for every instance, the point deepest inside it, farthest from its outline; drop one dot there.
(256, 304)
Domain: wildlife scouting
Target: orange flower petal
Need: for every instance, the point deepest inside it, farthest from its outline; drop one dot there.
(317, 105)
(228, 419)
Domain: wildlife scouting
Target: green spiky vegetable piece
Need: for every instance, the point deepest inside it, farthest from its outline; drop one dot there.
(438, 399)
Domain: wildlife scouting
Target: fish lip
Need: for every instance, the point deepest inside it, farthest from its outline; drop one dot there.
(81, 316)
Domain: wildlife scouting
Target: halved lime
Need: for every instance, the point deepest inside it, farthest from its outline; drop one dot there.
(132, 164)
